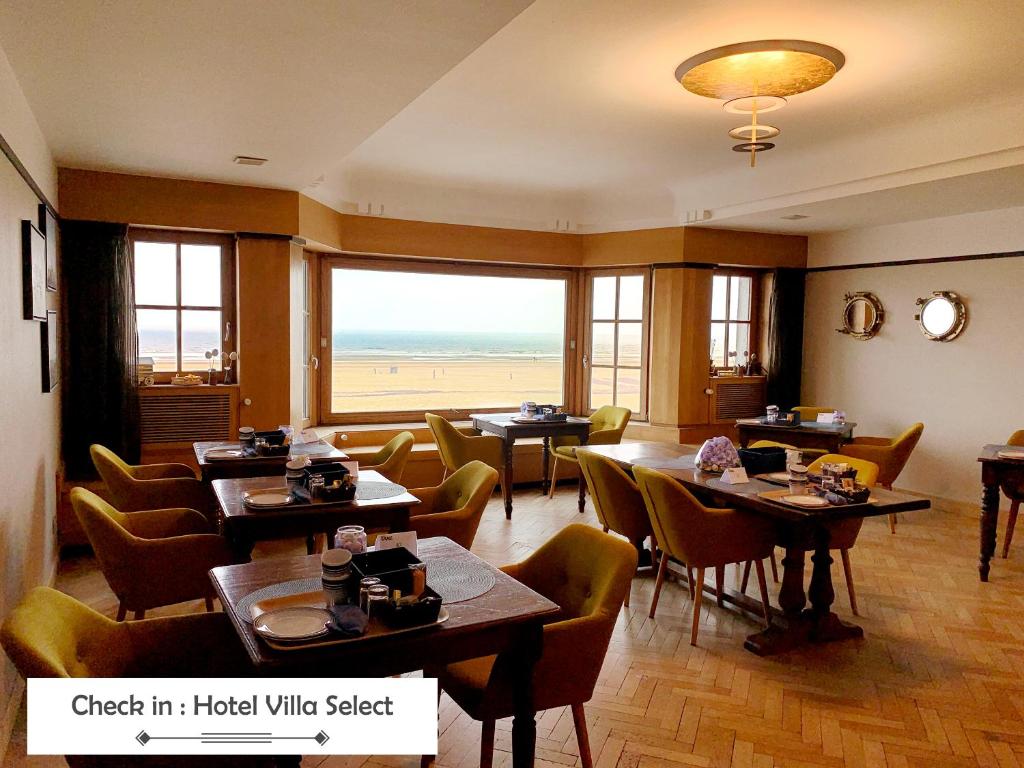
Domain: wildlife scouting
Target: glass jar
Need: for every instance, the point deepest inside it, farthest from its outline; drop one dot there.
(418, 572)
(376, 599)
(247, 438)
(364, 589)
(352, 538)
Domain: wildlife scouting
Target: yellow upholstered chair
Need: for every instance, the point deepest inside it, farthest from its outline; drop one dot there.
(390, 460)
(890, 454)
(607, 424)
(810, 412)
(807, 452)
(617, 500)
(454, 508)
(1016, 496)
(153, 558)
(150, 486)
(702, 537)
(587, 573)
(457, 449)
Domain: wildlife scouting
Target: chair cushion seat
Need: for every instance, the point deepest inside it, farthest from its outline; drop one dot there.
(466, 682)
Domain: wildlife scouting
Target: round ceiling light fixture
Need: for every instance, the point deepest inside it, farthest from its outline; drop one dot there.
(754, 132)
(753, 146)
(756, 77)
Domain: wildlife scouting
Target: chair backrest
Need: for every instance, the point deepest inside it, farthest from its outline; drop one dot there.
(902, 447)
(1017, 438)
(110, 540)
(448, 439)
(586, 572)
(617, 500)
(390, 460)
(463, 496)
(116, 474)
(867, 471)
(678, 518)
(611, 417)
(50, 634)
(810, 412)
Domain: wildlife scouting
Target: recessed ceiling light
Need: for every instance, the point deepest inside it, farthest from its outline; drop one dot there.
(796, 216)
(246, 160)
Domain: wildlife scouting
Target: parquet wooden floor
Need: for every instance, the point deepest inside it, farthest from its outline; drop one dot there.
(937, 681)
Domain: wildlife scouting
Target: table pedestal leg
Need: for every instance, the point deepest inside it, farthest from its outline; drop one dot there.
(507, 485)
(545, 484)
(825, 626)
(989, 521)
(524, 725)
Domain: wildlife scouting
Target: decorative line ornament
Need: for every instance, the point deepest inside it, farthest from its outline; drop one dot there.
(756, 77)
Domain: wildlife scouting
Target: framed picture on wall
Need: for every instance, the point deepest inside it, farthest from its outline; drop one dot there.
(48, 226)
(33, 271)
(49, 351)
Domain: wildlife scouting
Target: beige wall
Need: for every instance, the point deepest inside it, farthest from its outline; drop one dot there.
(967, 392)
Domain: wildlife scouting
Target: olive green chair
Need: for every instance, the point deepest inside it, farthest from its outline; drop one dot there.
(617, 500)
(454, 508)
(703, 537)
(889, 453)
(390, 460)
(150, 486)
(587, 573)
(607, 424)
(1015, 494)
(151, 559)
(457, 449)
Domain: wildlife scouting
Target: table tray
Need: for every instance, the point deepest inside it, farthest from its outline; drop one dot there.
(304, 504)
(776, 496)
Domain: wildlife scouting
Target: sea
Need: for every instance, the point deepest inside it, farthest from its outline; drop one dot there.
(451, 345)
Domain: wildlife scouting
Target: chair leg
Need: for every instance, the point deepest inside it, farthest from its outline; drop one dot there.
(554, 479)
(848, 572)
(698, 593)
(775, 567)
(892, 523)
(625, 600)
(762, 585)
(122, 611)
(139, 615)
(209, 604)
(662, 567)
(1010, 522)
(746, 576)
(689, 580)
(720, 585)
(579, 720)
(487, 744)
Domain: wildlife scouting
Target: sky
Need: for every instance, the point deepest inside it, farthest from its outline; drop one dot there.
(370, 300)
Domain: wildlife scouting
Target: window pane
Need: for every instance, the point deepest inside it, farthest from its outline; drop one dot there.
(718, 344)
(200, 331)
(155, 273)
(602, 344)
(630, 344)
(158, 337)
(631, 297)
(739, 342)
(601, 380)
(407, 341)
(719, 285)
(603, 302)
(627, 393)
(739, 298)
(200, 275)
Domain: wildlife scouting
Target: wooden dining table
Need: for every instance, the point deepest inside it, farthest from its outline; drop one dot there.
(997, 473)
(504, 426)
(244, 525)
(254, 466)
(507, 619)
(798, 530)
(808, 434)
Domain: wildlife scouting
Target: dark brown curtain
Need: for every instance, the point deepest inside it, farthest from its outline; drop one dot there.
(100, 396)
(785, 337)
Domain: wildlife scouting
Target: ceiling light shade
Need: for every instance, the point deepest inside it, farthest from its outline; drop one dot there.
(748, 105)
(754, 132)
(753, 146)
(770, 67)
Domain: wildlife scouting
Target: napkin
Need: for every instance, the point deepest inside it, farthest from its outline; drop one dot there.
(348, 620)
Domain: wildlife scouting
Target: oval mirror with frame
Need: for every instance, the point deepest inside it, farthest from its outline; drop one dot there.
(942, 317)
(863, 315)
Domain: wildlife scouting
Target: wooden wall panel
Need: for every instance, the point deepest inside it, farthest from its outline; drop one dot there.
(641, 246)
(705, 245)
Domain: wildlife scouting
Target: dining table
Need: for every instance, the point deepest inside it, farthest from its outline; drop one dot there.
(507, 619)
(814, 435)
(997, 472)
(243, 524)
(513, 426)
(255, 466)
(806, 615)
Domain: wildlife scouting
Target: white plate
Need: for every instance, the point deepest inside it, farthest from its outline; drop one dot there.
(293, 624)
(805, 501)
(1010, 454)
(782, 477)
(267, 499)
(223, 453)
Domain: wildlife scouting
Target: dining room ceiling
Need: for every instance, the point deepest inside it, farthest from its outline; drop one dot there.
(552, 114)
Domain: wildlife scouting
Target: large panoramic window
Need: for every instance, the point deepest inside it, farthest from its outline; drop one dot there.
(403, 342)
(184, 299)
(732, 319)
(617, 355)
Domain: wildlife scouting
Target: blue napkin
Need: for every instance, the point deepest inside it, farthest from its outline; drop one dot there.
(348, 620)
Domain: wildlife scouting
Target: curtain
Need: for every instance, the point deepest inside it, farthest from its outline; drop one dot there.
(100, 402)
(785, 338)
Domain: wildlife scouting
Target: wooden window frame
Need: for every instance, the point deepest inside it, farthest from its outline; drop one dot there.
(228, 290)
(645, 335)
(324, 340)
(754, 323)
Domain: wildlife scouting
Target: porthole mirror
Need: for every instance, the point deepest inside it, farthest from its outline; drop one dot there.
(942, 317)
(863, 315)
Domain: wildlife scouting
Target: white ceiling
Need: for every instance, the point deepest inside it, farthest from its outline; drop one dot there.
(471, 112)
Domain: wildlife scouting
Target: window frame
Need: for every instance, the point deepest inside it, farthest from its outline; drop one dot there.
(228, 290)
(645, 336)
(324, 340)
(753, 324)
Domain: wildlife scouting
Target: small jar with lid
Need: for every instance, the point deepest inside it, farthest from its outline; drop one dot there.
(336, 576)
(247, 439)
(295, 472)
(352, 538)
